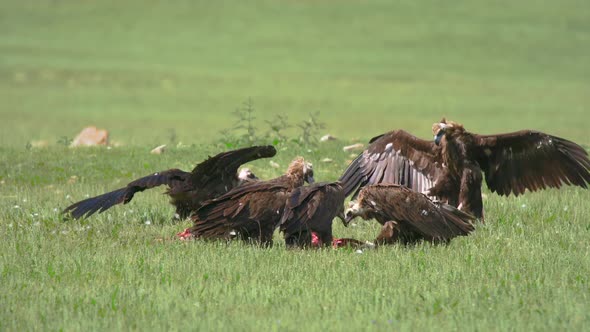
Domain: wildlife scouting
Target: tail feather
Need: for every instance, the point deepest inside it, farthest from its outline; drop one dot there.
(460, 221)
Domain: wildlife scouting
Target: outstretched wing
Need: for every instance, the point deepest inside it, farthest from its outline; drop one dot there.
(222, 168)
(312, 208)
(435, 220)
(87, 207)
(531, 160)
(396, 157)
(249, 208)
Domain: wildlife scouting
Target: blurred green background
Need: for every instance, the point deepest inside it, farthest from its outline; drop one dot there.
(141, 68)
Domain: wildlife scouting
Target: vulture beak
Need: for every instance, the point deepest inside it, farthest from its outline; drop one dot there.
(439, 135)
(309, 178)
(342, 218)
(246, 174)
(348, 216)
(352, 212)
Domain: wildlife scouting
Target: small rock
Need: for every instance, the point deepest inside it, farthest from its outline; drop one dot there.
(327, 137)
(354, 147)
(91, 136)
(327, 160)
(39, 144)
(73, 179)
(274, 165)
(159, 149)
(358, 251)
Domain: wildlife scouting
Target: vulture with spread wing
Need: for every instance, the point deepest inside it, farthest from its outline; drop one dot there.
(450, 168)
(187, 190)
(252, 211)
(408, 216)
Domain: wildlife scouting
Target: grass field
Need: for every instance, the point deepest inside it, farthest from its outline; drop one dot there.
(147, 70)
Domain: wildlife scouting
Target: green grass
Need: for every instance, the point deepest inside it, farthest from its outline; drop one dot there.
(140, 68)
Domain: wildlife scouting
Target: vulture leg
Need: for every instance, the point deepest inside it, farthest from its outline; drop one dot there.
(266, 239)
(298, 240)
(470, 200)
(325, 238)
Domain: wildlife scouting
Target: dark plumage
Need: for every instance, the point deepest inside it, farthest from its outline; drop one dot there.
(450, 168)
(408, 216)
(252, 211)
(187, 190)
(312, 209)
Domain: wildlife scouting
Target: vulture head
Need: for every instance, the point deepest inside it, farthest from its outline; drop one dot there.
(301, 168)
(445, 128)
(246, 175)
(354, 210)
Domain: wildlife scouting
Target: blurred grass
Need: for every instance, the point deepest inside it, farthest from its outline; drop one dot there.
(140, 68)
(143, 67)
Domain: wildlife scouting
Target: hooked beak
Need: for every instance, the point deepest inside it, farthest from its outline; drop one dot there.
(439, 136)
(348, 216)
(342, 218)
(309, 179)
(440, 133)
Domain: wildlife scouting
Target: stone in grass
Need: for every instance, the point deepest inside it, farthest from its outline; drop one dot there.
(327, 137)
(327, 160)
(274, 165)
(91, 136)
(159, 149)
(39, 144)
(354, 147)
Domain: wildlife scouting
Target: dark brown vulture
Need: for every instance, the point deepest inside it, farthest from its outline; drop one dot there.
(187, 190)
(408, 216)
(450, 168)
(312, 209)
(249, 212)
(308, 216)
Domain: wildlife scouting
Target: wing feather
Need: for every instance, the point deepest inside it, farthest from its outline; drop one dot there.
(101, 203)
(249, 209)
(437, 221)
(395, 157)
(225, 165)
(515, 162)
(312, 209)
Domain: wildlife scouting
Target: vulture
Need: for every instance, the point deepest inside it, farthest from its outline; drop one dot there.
(408, 216)
(187, 190)
(311, 209)
(450, 167)
(308, 215)
(250, 212)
